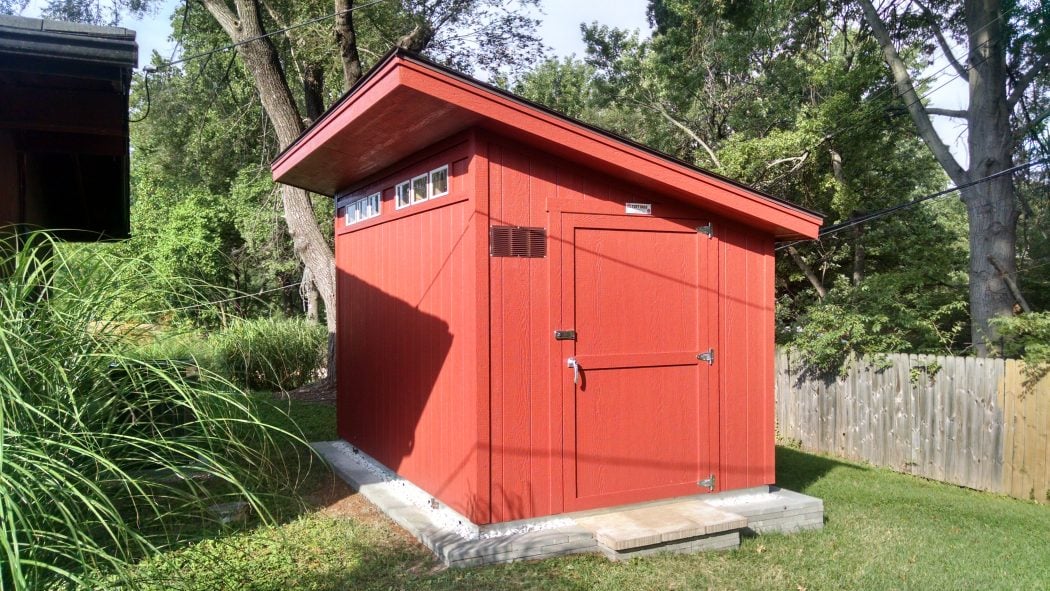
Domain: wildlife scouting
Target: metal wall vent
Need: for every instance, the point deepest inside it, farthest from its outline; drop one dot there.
(516, 241)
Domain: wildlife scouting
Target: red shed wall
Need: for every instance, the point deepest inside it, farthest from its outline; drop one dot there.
(408, 332)
(745, 359)
(527, 430)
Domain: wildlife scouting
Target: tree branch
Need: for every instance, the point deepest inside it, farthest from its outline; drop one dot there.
(1023, 82)
(692, 134)
(808, 272)
(960, 113)
(1010, 283)
(1031, 123)
(224, 16)
(963, 72)
(915, 107)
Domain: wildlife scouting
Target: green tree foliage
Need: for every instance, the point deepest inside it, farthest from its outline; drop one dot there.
(203, 204)
(565, 85)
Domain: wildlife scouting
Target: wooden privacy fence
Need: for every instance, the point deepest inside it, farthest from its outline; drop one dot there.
(962, 420)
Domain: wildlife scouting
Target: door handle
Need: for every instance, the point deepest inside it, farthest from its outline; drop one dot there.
(571, 362)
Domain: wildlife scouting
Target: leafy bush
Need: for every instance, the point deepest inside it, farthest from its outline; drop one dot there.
(105, 458)
(888, 313)
(272, 353)
(187, 347)
(1028, 337)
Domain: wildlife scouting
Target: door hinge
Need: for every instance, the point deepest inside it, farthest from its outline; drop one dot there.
(565, 335)
(707, 230)
(708, 356)
(708, 483)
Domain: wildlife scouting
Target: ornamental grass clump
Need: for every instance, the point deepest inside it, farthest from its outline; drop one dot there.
(272, 353)
(106, 458)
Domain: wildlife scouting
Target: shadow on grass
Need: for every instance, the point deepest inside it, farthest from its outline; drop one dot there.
(798, 470)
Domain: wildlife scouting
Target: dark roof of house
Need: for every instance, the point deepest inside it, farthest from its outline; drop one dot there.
(42, 38)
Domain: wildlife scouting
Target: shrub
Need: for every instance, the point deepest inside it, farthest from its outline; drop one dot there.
(188, 347)
(1028, 337)
(272, 353)
(105, 458)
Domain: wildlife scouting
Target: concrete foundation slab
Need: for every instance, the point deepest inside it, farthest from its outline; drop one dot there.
(690, 524)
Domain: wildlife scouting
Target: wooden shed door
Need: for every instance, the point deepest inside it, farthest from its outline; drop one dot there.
(640, 421)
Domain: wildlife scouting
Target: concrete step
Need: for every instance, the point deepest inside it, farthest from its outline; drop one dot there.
(661, 525)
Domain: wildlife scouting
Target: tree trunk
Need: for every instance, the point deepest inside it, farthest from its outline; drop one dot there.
(313, 91)
(346, 39)
(308, 292)
(261, 59)
(859, 254)
(990, 208)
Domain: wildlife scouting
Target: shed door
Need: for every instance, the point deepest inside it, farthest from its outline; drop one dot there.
(640, 420)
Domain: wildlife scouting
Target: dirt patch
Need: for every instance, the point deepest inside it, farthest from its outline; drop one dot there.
(335, 498)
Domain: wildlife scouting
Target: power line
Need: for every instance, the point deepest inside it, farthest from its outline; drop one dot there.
(147, 70)
(868, 118)
(223, 301)
(266, 35)
(894, 209)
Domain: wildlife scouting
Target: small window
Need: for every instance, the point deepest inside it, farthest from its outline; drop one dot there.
(372, 205)
(439, 181)
(362, 209)
(404, 197)
(419, 188)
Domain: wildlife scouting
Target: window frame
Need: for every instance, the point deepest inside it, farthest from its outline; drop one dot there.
(426, 188)
(408, 194)
(430, 182)
(356, 211)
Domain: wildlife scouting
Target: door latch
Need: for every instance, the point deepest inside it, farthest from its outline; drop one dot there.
(708, 356)
(575, 369)
(565, 335)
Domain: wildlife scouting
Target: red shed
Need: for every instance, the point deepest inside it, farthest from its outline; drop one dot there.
(486, 245)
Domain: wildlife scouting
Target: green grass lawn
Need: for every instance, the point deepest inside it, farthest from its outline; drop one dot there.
(884, 531)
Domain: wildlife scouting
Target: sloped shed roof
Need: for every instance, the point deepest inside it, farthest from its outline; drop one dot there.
(408, 102)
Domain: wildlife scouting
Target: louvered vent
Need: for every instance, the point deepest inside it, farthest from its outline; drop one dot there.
(516, 241)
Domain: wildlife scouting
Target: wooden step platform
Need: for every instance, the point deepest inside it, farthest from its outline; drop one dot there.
(684, 526)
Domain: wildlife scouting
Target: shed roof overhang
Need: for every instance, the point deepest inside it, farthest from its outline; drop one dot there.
(407, 103)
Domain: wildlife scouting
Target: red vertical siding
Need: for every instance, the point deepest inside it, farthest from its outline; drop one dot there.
(448, 369)
(522, 426)
(525, 414)
(746, 357)
(407, 335)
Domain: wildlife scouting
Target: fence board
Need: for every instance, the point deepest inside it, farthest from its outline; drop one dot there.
(970, 422)
(1037, 429)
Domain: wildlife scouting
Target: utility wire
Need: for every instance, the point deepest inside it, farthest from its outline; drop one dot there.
(265, 35)
(152, 69)
(869, 104)
(223, 301)
(894, 209)
(145, 80)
